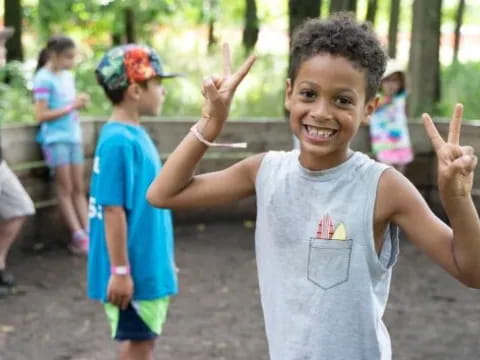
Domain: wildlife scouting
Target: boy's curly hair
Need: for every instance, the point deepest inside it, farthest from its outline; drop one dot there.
(340, 35)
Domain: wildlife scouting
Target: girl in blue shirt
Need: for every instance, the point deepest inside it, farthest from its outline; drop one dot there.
(56, 106)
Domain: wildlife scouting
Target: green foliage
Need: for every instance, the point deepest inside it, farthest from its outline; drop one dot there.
(177, 28)
(16, 104)
(95, 19)
(260, 94)
(85, 81)
(461, 83)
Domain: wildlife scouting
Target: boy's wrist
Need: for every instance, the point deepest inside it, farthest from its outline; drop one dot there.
(120, 270)
(194, 130)
(207, 129)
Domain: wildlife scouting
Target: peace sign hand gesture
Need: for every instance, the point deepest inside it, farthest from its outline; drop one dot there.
(218, 93)
(456, 164)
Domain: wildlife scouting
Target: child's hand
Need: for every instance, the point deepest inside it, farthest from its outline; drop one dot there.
(456, 164)
(120, 290)
(81, 101)
(218, 93)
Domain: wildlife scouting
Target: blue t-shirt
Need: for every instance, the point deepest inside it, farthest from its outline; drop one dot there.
(126, 162)
(58, 90)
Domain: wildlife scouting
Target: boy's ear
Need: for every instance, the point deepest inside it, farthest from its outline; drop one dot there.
(369, 109)
(133, 92)
(288, 94)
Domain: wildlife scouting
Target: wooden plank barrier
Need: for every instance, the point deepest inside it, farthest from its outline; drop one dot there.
(24, 156)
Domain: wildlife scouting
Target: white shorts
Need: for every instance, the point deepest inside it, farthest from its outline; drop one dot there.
(14, 200)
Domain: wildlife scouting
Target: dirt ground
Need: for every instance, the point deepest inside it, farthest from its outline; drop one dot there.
(217, 314)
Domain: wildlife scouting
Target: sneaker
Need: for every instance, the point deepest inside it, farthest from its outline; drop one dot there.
(79, 243)
(6, 279)
(4, 291)
(7, 283)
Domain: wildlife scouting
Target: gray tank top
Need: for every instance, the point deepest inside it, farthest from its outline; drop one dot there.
(323, 286)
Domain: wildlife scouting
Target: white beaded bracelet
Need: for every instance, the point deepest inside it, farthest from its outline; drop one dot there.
(120, 270)
(194, 131)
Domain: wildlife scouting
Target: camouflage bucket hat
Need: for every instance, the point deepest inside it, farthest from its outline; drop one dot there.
(127, 64)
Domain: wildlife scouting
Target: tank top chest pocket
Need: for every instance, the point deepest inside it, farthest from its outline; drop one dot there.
(328, 262)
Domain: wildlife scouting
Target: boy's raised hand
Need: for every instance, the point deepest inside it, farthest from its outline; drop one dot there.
(456, 164)
(218, 93)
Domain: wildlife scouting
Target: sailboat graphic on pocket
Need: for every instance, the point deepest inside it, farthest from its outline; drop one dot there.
(329, 254)
(327, 229)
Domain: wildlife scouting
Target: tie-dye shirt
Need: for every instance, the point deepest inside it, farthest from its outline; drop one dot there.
(388, 125)
(58, 90)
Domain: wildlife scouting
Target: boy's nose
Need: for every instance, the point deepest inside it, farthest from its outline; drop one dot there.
(321, 110)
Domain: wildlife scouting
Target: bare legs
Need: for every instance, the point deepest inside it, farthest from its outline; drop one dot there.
(137, 350)
(79, 195)
(71, 197)
(8, 232)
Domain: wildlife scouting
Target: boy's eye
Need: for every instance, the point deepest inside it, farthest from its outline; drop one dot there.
(343, 101)
(308, 94)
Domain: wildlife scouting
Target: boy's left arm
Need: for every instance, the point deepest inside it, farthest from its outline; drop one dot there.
(456, 165)
(457, 249)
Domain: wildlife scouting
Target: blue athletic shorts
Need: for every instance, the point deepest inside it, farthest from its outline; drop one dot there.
(58, 154)
(141, 320)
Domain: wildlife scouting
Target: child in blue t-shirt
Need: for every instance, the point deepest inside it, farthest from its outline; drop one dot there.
(56, 105)
(131, 265)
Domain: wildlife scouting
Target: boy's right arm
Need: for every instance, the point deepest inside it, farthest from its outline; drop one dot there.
(176, 187)
(111, 194)
(120, 286)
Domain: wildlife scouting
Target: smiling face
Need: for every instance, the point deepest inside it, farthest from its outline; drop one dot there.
(327, 103)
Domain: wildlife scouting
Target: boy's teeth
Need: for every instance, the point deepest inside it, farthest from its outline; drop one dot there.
(319, 132)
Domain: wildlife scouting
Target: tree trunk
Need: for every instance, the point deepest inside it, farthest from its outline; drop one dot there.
(300, 10)
(211, 7)
(212, 40)
(424, 84)
(129, 16)
(351, 5)
(336, 5)
(393, 28)
(116, 39)
(250, 31)
(372, 11)
(342, 5)
(13, 18)
(458, 26)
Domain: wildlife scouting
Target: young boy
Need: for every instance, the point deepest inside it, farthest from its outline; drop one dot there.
(327, 217)
(131, 260)
(15, 204)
